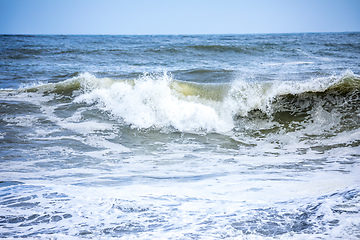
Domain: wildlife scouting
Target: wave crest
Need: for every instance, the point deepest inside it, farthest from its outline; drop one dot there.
(159, 101)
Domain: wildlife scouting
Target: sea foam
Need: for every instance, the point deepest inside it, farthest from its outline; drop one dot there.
(151, 102)
(159, 101)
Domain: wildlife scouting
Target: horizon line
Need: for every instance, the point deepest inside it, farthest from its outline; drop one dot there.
(166, 34)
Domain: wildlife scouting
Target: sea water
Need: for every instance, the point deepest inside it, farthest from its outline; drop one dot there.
(180, 137)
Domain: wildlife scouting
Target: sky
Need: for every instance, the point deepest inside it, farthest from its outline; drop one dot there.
(178, 16)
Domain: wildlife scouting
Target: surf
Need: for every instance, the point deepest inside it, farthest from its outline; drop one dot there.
(159, 101)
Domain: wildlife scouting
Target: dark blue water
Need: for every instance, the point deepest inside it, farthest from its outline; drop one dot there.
(180, 137)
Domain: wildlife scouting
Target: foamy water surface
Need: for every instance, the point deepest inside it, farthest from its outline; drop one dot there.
(180, 137)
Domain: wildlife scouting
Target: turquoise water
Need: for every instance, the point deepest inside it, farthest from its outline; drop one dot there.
(180, 137)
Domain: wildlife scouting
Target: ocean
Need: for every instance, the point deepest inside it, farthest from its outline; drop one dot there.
(180, 137)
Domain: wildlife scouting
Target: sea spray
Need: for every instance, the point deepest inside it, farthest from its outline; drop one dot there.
(159, 101)
(152, 102)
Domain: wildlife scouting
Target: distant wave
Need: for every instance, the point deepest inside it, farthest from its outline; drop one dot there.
(235, 48)
(193, 49)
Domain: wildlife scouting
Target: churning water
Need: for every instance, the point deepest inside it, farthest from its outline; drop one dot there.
(180, 137)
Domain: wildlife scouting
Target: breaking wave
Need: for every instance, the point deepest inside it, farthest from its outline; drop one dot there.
(160, 101)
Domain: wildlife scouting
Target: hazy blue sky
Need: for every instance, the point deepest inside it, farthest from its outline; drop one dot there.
(177, 16)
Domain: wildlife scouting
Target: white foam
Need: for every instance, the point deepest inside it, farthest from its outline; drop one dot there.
(86, 127)
(23, 121)
(33, 84)
(151, 102)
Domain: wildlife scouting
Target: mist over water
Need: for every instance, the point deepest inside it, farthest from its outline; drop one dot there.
(180, 137)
